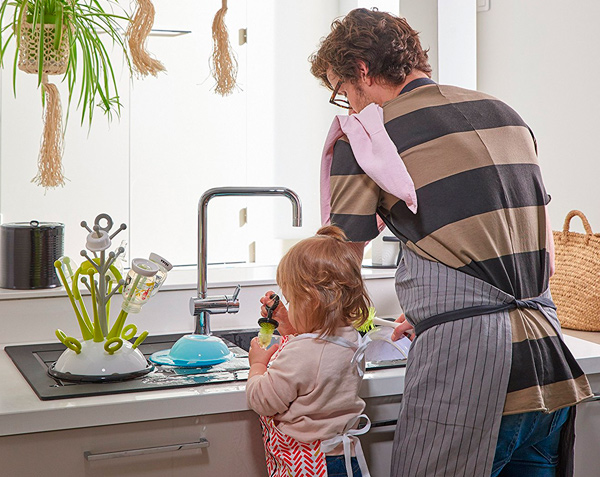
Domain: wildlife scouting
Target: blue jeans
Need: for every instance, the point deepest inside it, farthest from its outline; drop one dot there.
(528, 444)
(336, 466)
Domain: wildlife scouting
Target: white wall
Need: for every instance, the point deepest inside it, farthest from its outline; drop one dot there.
(540, 56)
(448, 29)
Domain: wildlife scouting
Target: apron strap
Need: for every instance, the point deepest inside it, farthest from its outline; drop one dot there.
(338, 340)
(537, 303)
(359, 355)
(349, 436)
(359, 359)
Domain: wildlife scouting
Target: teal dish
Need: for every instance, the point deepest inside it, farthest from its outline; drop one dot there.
(193, 351)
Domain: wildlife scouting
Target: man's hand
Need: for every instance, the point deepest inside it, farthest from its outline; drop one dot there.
(403, 329)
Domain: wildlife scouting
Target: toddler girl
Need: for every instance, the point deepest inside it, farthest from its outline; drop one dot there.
(308, 396)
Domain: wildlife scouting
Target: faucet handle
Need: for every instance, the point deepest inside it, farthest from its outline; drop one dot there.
(236, 292)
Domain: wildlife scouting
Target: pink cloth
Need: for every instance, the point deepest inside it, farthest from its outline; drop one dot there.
(375, 153)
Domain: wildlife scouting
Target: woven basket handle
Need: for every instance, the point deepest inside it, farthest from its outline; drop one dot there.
(586, 224)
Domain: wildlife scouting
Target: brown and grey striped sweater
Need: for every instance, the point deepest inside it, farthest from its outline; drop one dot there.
(481, 211)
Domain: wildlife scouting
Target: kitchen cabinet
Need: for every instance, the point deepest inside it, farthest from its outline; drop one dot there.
(587, 432)
(234, 448)
(377, 443)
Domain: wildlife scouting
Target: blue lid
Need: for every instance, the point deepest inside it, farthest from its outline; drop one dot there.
(194, 351)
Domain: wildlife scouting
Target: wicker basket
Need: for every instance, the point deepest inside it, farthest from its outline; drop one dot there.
(55, 60)
(575, 285)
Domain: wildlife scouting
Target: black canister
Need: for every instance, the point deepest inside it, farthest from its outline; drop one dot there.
(28, 251)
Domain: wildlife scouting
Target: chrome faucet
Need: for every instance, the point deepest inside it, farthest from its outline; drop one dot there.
(203, 306)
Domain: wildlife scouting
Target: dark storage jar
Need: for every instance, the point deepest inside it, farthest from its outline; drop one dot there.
(28, 251)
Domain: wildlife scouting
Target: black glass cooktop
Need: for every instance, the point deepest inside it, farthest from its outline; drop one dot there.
(33, 362)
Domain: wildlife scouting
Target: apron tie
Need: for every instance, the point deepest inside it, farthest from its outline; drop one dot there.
(538, 303)
(347, 437)
(359, 359)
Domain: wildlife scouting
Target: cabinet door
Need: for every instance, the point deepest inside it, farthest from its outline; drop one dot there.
(377, 443)
(587, 433)
(234, 448)
(587, 459)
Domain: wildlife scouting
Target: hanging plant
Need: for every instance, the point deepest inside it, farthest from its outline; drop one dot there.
(63, 37)
(137, 33)
(223, 62)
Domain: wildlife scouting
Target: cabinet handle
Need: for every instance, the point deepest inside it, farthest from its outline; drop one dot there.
(146, 450)
(391, 422)
(595, 397)
(155, 32)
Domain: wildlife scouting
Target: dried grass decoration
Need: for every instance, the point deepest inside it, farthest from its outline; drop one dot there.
(137, 33)
(224, 65)
(575, 285)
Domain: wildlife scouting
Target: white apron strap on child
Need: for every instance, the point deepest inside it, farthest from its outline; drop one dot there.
(359, 355)
(359, 349)
(347, 437)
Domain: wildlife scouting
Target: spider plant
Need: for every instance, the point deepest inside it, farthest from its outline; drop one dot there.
(89, 63)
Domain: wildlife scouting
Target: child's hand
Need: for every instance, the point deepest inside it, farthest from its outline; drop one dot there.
(259, 357)
(280, 314)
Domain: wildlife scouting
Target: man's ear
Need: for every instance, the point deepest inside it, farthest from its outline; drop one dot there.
(363, 72)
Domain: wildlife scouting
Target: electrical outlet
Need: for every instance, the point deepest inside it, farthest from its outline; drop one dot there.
(252, 252)
(483, 5)
(243, 36)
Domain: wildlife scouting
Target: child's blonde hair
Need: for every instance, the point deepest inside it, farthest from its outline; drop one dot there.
(321, 278)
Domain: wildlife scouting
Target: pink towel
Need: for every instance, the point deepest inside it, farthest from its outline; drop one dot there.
(375, 153)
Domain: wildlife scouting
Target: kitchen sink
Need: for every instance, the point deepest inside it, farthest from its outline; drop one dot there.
(240, 338)
(34, 360)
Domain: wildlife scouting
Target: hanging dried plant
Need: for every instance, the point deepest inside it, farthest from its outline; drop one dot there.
(62, 37)
(50, 170)
(137, 33)
(224, 64)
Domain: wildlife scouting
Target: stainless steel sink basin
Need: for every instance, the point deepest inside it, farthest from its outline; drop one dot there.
(240, 338)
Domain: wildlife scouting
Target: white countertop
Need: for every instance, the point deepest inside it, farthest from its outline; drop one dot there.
(22, 412)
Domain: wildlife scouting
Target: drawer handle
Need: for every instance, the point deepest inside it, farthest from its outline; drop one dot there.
(146, 450)
(391, 422)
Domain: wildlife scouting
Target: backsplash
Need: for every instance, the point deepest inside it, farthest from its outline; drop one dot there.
(34, 320)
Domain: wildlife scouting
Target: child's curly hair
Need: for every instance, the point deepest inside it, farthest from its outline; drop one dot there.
(321, 278)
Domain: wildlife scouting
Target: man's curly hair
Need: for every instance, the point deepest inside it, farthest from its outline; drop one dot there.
(387, 45)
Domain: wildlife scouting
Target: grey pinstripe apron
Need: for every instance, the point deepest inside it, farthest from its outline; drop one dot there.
(457, 371)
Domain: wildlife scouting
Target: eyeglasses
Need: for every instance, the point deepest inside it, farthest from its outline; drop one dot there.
(340, 102)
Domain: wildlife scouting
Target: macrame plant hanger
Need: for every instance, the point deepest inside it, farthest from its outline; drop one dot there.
(55, 60)
(224, 65)
(137, 32)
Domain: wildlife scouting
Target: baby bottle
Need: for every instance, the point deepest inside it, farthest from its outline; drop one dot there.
(164, 266)
(268, 325)
(138, 284)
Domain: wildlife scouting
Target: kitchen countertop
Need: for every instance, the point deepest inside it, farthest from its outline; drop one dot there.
(21, 411)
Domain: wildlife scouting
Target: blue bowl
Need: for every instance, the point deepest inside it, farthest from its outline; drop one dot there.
(194, 351)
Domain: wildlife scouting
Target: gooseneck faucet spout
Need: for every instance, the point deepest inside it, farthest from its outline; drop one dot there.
(202, 305)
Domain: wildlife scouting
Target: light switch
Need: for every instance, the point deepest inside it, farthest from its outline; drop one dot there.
(243, 216)
(243, 36)
(483, 5)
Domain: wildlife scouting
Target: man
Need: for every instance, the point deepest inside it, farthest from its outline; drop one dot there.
(489, 382)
